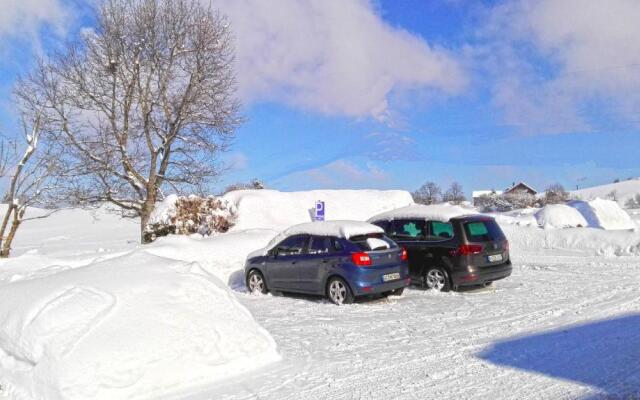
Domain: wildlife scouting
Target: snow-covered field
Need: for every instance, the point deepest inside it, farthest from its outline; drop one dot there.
(169, 320)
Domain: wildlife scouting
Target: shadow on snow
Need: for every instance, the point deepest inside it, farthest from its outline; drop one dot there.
(603, 354)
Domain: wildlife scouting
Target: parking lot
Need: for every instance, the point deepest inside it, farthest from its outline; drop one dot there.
(559, 327)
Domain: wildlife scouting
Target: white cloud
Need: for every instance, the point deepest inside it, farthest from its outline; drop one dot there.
(559, 63)
(25, 17)
(332, 57)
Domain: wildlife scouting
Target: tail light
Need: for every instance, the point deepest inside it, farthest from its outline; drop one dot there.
(403, 255)
(469, 249)
(362, 259)
(505, 245)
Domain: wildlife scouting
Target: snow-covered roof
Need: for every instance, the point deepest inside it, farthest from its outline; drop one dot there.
(341, 229)
(478, 193)
(520, 184)
(435, 212)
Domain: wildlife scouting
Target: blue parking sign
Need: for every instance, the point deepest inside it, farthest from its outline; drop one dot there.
(319, 215)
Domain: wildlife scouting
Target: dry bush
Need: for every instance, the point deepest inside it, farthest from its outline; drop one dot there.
(193, 214)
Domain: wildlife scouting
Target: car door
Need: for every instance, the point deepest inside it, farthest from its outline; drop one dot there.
(320, 257)
(284, 262)
(438, 244)
(410, 234)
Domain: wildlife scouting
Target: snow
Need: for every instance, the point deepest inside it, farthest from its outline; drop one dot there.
(564, 325)
(559, 216)
(135, 326)
(624, 190)
(270, 209)
(604, 214)
(341, 229)
(165, 211)
(436, 212)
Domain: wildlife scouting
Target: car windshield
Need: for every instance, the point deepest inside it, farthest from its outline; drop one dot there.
(372, 242)
(483, 231)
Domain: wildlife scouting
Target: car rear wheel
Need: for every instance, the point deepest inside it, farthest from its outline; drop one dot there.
(339, 292)
(256, 283)
(437, 279)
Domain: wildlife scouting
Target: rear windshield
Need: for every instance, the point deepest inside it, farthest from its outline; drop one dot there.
(483, 231)
(373, 241)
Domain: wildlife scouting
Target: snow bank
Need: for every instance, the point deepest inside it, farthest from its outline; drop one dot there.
(604, 214)
(222, 256)
(559, 216)
(136, 327)
(270, 209)
(578, 241)
(436, 212)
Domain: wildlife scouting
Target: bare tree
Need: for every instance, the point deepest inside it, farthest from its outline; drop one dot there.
(146, 101)
(612, 195)
(429, 193)
(555, 194)
(455, 194)
(33, 171)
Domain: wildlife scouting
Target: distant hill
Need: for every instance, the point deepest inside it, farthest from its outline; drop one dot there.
(623, 190)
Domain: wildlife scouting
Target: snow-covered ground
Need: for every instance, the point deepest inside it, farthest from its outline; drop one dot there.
(564, 325)
(623, 190)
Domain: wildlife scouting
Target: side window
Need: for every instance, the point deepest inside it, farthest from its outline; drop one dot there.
(292, 246)
(320, 245)
(440, 231)
(382, 224)
(408, 229)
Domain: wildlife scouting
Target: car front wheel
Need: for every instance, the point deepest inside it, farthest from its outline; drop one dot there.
(437, 279)
(339, 292)
(256, 283)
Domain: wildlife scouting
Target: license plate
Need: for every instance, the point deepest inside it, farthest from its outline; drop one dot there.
(391, 277)
(495, 258)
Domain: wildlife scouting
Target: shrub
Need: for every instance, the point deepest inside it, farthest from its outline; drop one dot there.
(555, 194)
(633, 202)
(189, 215)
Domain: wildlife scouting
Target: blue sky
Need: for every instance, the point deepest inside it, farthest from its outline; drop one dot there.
(390, 94)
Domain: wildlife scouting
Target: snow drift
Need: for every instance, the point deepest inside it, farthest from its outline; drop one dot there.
(604, 214)
(136, 327)
(559, 216)
(271, 209)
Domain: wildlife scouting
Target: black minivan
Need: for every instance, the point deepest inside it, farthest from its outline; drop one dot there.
(464, 250)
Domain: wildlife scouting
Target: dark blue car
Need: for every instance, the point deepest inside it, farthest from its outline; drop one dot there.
(339, 259)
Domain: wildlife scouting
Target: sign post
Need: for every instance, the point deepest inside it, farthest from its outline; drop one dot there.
(319, 214)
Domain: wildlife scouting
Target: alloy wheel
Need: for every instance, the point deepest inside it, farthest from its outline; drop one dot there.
(256, 284)
(337, 291)
(436, 279)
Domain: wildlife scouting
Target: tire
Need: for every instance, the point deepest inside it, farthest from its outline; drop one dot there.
(256, 282)
(437, 279)
(338, 292)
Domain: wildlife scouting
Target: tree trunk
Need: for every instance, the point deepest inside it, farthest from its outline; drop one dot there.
(5, 222)
(17, 220)
(145, 214)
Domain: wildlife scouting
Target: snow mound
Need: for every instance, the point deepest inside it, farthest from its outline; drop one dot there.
(435, 212)
(136, 327)
(604, 214)
(271, 209)
(584, 241)
(559, 216)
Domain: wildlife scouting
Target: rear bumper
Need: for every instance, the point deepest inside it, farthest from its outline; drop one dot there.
(364, 288)
(481, 275)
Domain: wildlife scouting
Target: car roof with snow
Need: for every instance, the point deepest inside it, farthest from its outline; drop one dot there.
(341, 229)
(434, 212)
